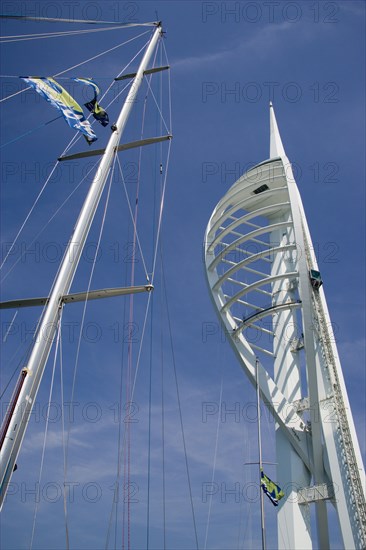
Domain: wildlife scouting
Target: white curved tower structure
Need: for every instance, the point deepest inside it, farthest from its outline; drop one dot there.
(266, 287)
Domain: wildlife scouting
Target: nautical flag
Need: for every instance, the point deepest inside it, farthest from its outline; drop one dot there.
(98, 112)
(273, 491)
(55, 94)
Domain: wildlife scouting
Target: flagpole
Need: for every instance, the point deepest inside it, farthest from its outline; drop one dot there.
(260, 455)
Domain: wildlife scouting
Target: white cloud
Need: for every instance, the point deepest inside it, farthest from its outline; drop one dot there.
(261, 41)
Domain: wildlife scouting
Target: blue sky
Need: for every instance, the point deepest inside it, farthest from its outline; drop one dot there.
(228, 59)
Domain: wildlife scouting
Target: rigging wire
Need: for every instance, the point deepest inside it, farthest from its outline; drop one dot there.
(214, 461)
(169, 91)
(165, 178)
(127, 466)
(81, 63)
(144, 324)
(133, 390)
(130, 397)
(34, 204)
(86, 303)
(151, 341)
(140, 347)
(119, 454)
(78, 137)
(149, 429)
(16, 368)
(27, 353)
(102, 53)
(28, 215)
(72, 142)
(164, 288)
(161, 324)
(120, 443)
(138, 361)
(115, 503)
(86, 22)
(48, 222)
(156, 103)
(46, 428)
(79, 340)
(161, 213)
(143, 331)
(61, 34)
(131, 393)
(131, 317)
(162, 409)
(30, 132)
(119, 93)
(9, 328)
(68, 77)
(132, 218)
(63, 446)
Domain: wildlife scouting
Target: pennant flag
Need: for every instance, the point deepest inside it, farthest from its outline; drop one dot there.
(273, 491)
(55, 94)
(98, 112)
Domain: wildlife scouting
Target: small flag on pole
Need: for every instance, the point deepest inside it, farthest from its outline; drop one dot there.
(273, 491)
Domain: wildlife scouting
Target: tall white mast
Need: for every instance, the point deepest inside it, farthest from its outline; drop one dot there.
(31, 375)
(263, 275)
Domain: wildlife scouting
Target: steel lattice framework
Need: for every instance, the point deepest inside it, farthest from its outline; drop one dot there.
(264, 281)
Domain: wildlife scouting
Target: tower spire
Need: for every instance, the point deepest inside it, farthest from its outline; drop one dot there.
(276, 148)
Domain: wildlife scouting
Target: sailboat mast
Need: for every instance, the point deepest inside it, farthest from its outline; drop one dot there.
(18, 414)
(260, 455)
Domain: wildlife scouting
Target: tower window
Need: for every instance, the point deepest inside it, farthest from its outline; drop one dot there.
(260, 189)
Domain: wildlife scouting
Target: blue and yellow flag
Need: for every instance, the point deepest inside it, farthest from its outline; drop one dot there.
(98, 112)
(273, 491)
(55, 94)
